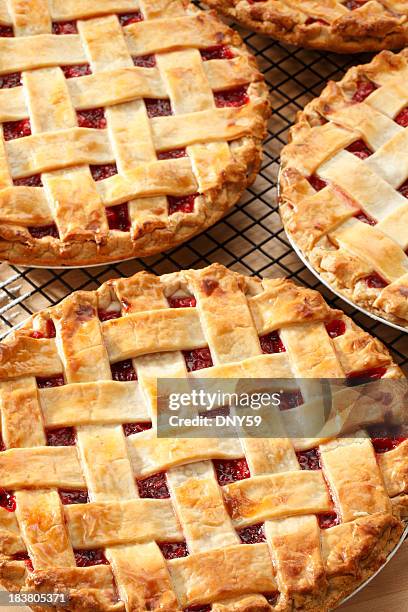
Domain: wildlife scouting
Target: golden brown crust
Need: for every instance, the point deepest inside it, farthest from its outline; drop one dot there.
(324, 221)
(330, 26)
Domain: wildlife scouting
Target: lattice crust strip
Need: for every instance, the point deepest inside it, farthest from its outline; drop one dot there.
(93, 502)
(126, 127)
(345, 205)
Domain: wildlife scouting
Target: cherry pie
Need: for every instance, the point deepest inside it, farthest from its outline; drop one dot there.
(344, 185)
(343, 26)
(127, 127)
(93, 503)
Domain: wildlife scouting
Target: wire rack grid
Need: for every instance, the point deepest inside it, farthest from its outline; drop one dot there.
(249, 239)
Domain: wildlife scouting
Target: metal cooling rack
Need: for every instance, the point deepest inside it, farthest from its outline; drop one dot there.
(250, 239)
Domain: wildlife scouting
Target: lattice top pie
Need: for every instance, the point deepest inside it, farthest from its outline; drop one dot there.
(344, 185)
(127, 127)
(93, 502)
(344, 26)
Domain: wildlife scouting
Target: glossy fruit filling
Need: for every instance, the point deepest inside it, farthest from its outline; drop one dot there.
(118, 217)
(29, 181)
(103, 171)
(352, 5)
(359, 149)
(144, 61)
(173, 154)
(85, 558)
(364, 218)
(384, 438)
(158, 107)
(217, 52)
(336, 328)
(328, 519)
(231, 97)
(64, 27)
(183, 204)
(312, 20)
(49, 331)
(63, 436)
(197, 359)
(402, 117)
(364, 89)
(107, 315)
(7, 81)
(154, 487)
(7, 500)
(72, 72)
(6, 31)
(129, 18)
(404, 189)
(123, 371)
(173, 550)
(375, 281)
(93, 118)
(365, 376)
(309, 459)
(43, 231)
(290, 399)
(317, 183)
(187, 301)
(23, 556)
(230, 470)
(134, 428)
(79, 496)
(271, 343)
(16, 129)
(50, 381)
(252, 534)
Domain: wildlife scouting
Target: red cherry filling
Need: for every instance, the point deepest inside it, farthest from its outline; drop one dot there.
(16, 129)
(385, 439)
(144, 61)
(154, 487)
(375, 281)
(364, 218)
(317, 183)
(188, 301)
(158, 108)
(231, 97)
(92, 118)
(404, 189)
(85, 558)
(354, 4)
(64, 27)
(23, 556)
(198, 359)
(217, 52)
(290, 399)
(252, 534)
(328, 519)
(134, 428)
(130, 18)
(230, 470)
(364, 89)
(44, 382)
(312, 20)
(44, 230)
(118, 217)
(173, 550)
(6, 31)
(402, 117)
(7, 81)
(271, 598)
(72, 72)
(7, 500)
(48, 333)
(103, 171)
(64, 436)
(123, 371)
(336, 328)
(173, 154)
(29, 181)
(183, 204)
(365, 376)
(359, 149)
(271, 343)
(309, 459)
(107, 315)
(79, 496)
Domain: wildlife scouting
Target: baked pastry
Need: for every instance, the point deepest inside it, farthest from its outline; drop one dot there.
(127, 127)
(92, 502)
(343, 26)
(343, 186)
